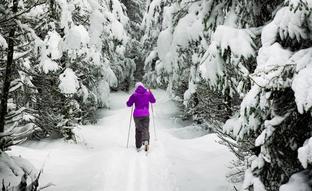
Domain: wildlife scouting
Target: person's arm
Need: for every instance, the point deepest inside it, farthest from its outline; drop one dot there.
(151, 97)
(131, 100)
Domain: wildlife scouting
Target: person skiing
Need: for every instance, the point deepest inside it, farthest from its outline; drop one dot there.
(141, 99)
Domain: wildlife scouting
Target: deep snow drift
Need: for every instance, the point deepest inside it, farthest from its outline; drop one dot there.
(101, 161)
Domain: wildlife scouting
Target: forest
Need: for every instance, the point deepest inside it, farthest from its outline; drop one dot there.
(231, 78)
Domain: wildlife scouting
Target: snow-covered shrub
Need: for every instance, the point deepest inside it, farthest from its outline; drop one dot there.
(15, 173)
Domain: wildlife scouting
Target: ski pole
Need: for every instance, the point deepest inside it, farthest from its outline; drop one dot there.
(154, 121)
(129, 126)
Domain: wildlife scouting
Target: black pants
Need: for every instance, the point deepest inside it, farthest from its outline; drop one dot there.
(141, 130)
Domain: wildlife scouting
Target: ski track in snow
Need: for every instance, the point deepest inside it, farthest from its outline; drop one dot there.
(101, 161)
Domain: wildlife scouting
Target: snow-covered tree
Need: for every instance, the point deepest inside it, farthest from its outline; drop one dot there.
(275, 113)
(68, 56)
(135, 10)
(58, 61)
(257, 52)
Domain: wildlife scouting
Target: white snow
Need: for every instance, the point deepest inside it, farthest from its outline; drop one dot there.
(305, 153)
(251, 180)
(48, 65)
(118, 30)
(212, 64)
(188, 29)
(152, 55)
(12, 168)
(101, 160)
(249, 101)
(76, 37)
(119, 12)
(103, 93)
(3, 42)
(290, 23)
(302, 87)
(96, 27)
(271, 62)
(302, 81)
(53, 45)
(296, 3)
(297, 182)
(164, 45)
(269, 34)
(69, 83)
(238, 40)
(269, 129)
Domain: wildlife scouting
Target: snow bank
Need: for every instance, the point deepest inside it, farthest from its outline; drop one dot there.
(69, 83)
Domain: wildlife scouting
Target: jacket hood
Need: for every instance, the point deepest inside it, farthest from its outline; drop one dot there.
(140, 90)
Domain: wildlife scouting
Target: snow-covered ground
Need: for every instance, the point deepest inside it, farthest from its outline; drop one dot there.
(101, 161)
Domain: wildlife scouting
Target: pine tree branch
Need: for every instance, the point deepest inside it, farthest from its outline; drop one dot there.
(22, 12)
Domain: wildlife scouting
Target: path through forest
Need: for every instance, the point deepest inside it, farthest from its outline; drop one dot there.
(181, 159)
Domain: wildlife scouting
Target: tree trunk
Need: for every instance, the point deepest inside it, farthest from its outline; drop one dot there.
(8, 72)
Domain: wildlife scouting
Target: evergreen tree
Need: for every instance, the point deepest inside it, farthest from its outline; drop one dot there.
(67, 57)
(275, 114)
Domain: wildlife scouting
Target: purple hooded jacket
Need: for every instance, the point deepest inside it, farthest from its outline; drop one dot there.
(141, 98)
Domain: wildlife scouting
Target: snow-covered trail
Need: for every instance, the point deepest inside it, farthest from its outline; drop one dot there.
(101, 161)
